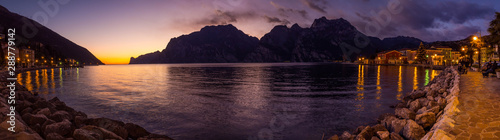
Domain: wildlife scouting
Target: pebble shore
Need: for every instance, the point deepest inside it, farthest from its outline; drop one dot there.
(423, 114)
(37, 118)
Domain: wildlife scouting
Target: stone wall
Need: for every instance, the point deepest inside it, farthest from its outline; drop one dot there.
(37, 118)
(424, 113)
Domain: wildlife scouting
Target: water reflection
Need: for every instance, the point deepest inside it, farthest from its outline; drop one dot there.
(231, 101)
(400, 84)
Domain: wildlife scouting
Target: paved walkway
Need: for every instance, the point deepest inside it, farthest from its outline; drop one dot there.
(479, 116)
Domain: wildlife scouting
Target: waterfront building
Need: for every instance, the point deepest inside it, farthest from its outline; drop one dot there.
(408, 55)
(27, 57)
(389, 57)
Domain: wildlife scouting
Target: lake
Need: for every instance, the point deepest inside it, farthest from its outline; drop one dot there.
(233, 101)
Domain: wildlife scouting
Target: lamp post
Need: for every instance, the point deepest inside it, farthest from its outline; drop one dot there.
(477, 40)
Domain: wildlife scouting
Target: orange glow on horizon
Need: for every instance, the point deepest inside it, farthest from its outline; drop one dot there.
(114, 60)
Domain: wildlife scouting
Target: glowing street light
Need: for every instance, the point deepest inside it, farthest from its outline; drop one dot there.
(474, 38)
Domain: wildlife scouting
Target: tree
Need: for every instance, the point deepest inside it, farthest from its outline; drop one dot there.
(494, 29)
(421, 56)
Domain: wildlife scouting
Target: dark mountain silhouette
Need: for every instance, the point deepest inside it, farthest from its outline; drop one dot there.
(212, 44)
(326, 40)
(26, 32)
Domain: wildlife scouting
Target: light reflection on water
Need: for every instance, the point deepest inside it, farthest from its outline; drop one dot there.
(232, 101)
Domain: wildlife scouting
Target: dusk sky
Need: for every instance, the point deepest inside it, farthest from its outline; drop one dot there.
(115, 30)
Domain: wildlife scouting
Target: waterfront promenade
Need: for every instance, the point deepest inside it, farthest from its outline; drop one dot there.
(479, 116)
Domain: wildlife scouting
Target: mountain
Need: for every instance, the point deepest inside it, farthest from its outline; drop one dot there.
(32, 31)
(212, 44)
(324, 41)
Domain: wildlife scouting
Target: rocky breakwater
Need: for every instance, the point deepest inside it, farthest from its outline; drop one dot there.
(423, 114)
(38, 118)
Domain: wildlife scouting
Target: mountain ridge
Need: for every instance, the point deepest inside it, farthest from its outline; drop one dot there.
(321, 42)
(46, 36)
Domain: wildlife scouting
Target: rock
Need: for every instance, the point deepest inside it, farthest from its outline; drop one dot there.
(136, 131)
(417, 94)
(110, 125)
(60, 116)
(41, 103)
(26, 110)
(358, 130)
(434, 110)
(422, 102)
(442, 103)
(54, 136)
(384, 116)
(22, 136)
(379, 127)
(413, 131)
(397, 125)
(415, 105)
(375, 138)
(383, 135)
(80, 121)
(37, 128)
(422, 110)
(430, 98)
(396, 136)
(48, 122)
(62, 128)
(34, 119)
(432, 104)
(334, 137)
(387, 122)
(405, 113)
(366, 133)
(346, 136)
(441, 91)
(426, 120)
(432, 93)
(45, 111)
(90, 132)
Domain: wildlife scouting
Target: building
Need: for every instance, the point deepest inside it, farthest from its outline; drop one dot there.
(27, 58)
(389, 57)
(408, 55)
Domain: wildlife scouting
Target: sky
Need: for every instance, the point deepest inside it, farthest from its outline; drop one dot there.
(115, 30)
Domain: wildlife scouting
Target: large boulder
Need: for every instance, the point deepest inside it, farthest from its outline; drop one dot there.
(110, 125)
(413, 131)
(136, 131)
(45, 111)
(60, 116)
(366, 133)
(426, 120)
(396, 136)
(34, 119)
(346, 136)
(383, 135)
(405, 113)
(415, 105)
(395, 124)
(54, 136)
(62, 128)
(90, 132)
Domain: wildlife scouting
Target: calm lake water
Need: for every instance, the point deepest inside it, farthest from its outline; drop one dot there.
(233, 101)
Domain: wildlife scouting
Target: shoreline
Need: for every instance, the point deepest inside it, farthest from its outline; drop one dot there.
(37, 118)
(423, 114)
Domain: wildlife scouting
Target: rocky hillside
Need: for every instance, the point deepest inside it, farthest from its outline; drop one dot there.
(212, 44)
(36, 32)
(326, 40)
